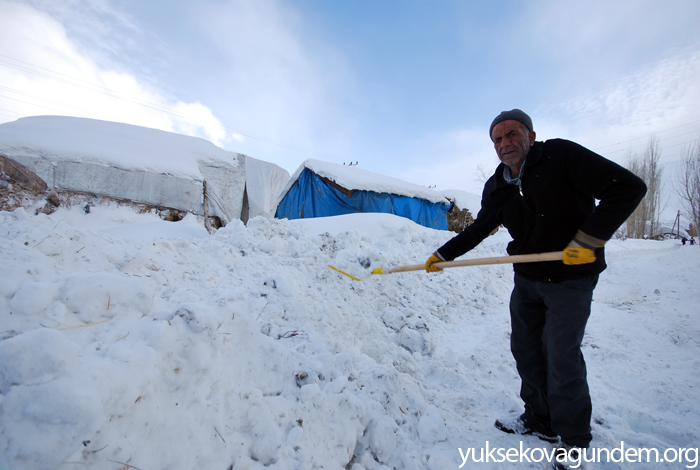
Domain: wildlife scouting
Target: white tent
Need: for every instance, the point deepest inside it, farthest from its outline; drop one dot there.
(142, 165)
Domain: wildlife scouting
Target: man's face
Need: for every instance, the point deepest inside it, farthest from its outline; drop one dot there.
(512, 141)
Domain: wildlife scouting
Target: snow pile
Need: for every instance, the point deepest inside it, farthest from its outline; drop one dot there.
(127, 340)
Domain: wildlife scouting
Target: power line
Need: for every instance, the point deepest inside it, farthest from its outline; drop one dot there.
(659, 140)
(32, 104)
(649, 135)
(106, 91)
(85, 85)
(37, 97)
(7, 115)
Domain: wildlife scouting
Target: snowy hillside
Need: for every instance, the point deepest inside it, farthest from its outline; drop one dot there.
(129, 342)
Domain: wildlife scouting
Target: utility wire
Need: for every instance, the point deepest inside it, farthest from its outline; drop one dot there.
(53, 75)
(659, 140)
(649, 135)
(106, 91)
(32, 104)
(37, 97)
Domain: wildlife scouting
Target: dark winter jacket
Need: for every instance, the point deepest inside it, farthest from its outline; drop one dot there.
(561, 182)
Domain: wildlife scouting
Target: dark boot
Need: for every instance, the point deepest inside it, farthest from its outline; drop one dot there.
(517, 426)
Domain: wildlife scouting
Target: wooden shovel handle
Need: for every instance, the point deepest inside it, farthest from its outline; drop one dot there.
(531, 258)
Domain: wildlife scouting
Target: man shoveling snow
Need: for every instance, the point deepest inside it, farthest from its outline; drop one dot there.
(545, 194)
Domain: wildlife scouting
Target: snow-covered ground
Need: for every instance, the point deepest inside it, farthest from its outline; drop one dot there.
(129, 342)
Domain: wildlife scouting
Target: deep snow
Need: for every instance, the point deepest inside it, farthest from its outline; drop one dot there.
(127, 340)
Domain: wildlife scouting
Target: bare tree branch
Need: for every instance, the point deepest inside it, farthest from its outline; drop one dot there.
(644, 221)
(687, 185)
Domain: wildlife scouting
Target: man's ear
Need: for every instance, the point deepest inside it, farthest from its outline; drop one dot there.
(531, 137)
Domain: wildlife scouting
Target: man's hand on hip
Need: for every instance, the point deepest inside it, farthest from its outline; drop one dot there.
(575, 254)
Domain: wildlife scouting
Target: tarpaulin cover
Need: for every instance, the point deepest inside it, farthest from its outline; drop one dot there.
(141, 165)
(312, 197)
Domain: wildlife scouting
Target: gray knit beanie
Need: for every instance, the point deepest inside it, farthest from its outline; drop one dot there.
(513, 114)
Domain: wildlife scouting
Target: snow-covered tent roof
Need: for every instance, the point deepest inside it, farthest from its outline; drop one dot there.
(264, 181)
(321, 189)
(464, 199)
(142, 165)
(667, 229)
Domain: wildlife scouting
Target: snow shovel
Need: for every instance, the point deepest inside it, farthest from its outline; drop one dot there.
(531, 258)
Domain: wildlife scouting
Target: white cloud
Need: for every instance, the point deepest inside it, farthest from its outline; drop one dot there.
(44, 71)
(603, 72)
(108, 33)
(450, 160)
(597, 39)
(658, 99)
(281, 81)
(204, 119)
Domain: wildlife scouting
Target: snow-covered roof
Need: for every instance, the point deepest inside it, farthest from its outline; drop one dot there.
(141, 164)
(125, 146)
(357, 179)
(264, 181)
(664, 229)
(464, 200)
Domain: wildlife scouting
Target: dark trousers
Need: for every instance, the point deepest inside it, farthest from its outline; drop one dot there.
(548, 320)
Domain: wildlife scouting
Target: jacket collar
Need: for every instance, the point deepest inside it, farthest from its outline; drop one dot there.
(534, 155)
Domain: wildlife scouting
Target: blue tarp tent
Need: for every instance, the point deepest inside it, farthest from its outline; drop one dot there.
(311, 195)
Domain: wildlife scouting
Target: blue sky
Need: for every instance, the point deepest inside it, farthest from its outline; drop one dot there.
(406, 88)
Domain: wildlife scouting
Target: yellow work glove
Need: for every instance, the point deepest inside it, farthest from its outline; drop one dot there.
(576, 254)
(429, 264)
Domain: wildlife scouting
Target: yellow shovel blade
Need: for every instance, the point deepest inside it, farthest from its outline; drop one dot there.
(343, 272)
